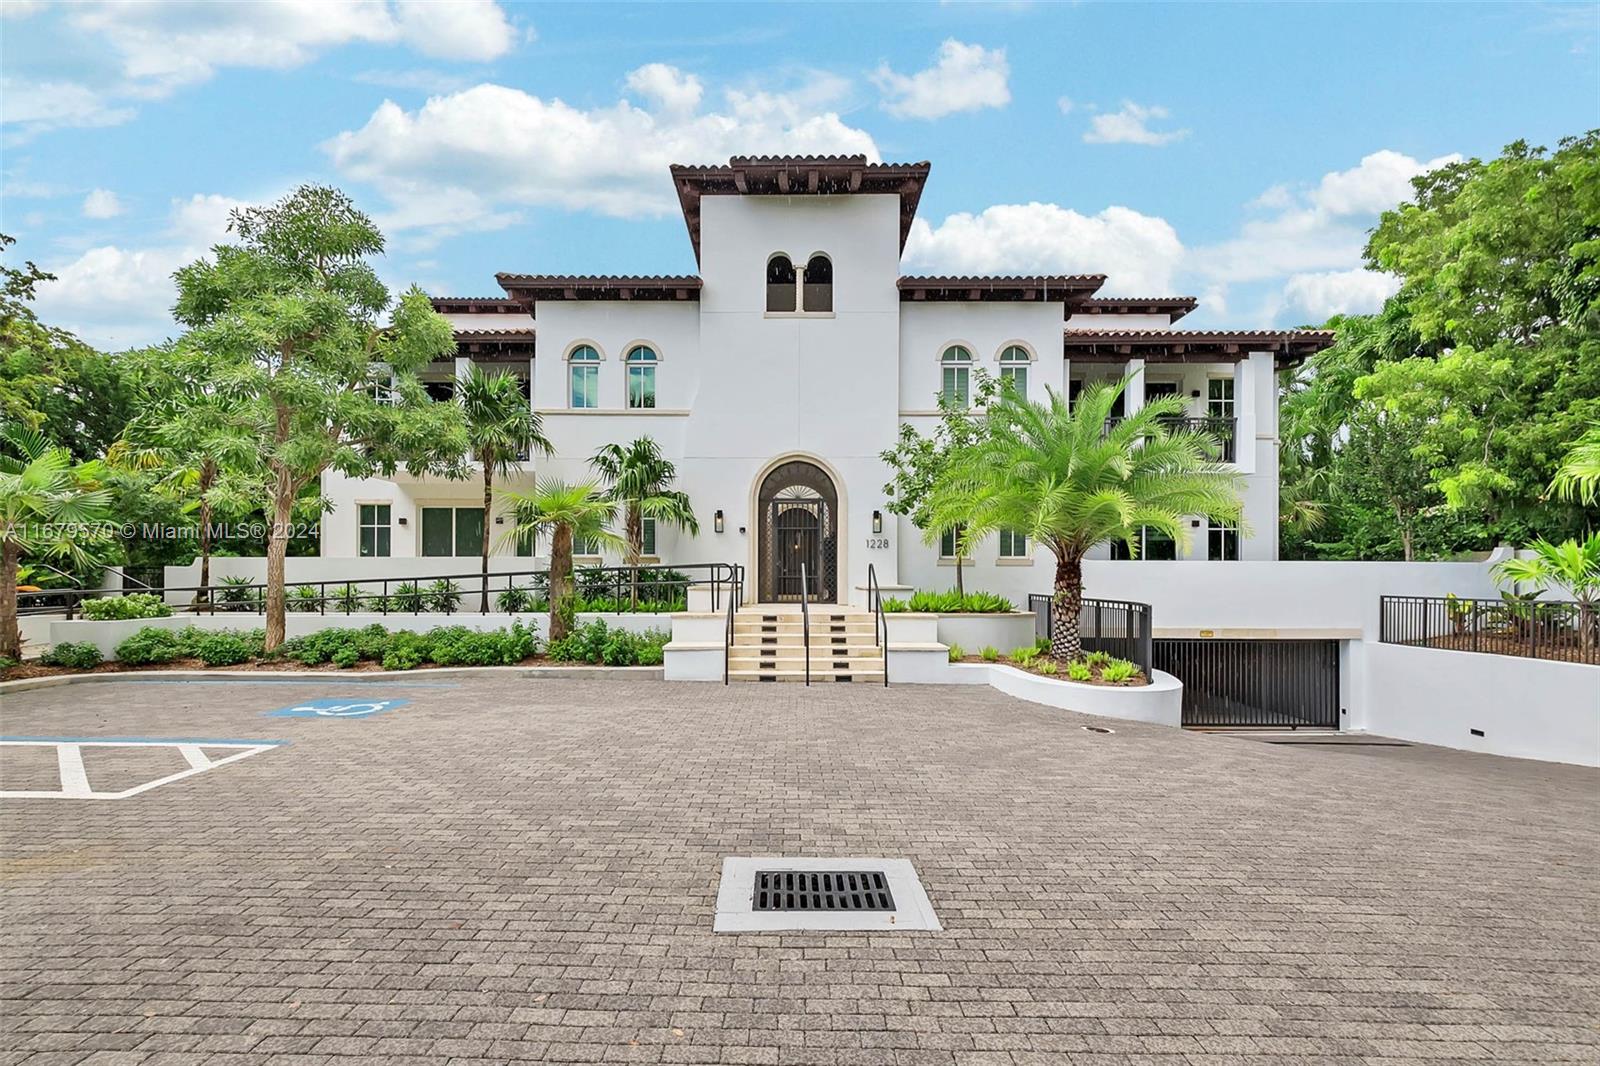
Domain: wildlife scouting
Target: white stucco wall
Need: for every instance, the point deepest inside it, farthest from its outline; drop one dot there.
(1527, 708)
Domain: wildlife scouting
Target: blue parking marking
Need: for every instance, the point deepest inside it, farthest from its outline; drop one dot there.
(344, 707)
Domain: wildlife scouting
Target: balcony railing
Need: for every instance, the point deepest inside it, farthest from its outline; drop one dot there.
(1560, 630)
(1223, 429)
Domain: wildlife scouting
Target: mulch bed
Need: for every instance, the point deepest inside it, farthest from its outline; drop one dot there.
(1511, 644)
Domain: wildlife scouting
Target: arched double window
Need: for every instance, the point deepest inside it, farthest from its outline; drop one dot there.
(641, 362)
(955, 378)
(583, 377)
(809, 290)
(1014, 360)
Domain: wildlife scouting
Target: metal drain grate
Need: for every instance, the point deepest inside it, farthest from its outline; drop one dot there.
(821, 890)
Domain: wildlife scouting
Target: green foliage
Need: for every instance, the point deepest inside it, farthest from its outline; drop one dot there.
(79, 655)
(1078, 670)
(1098, 658)
(952, 601)
(514, 599)
(990, 654)
(151, 645)
(304, 599)
(639, 479)
(957, 653)
(1048, 667)
(460, 646)
(368, 643)
(133, 605)
(893, 605)
(594, 642)
(566, 514)
(1024, 655)
(443, 596)
(8, 663)
(236, 594)
(1572, 566)
(222, 648)
(408, 598)
(1118, 670)
(405, 651)
(1578, 479)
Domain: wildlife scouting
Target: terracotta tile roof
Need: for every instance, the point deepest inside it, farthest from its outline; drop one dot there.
(476, 305)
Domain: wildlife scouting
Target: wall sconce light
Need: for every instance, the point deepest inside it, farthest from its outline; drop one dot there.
(1194, 393)
(877, 521)
(402, 519)
(499, 519)
(1194, 523)
(716, 522)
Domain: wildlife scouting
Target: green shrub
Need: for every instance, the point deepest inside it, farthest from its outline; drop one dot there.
(1049, 668)
(151, 645)
(594, 642)
(891, 605)
(443, 596)
(405, 651)
(1118, 670)
(302, 599)
(990, 654)
(1079, 670)
(220, 649)
(460, 646)
(408, 597)
(986, 603)
(379, 604)
(1024, 655)
(8, 663)
(1097, 658)
(237, 594)
(348, 600)
(514, 599)
(345, 656)
(957, 653)
(652, 649)
(952, 602)
(80, 655)
(133, 605)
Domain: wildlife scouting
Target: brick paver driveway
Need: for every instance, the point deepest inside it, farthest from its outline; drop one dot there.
(516, 870)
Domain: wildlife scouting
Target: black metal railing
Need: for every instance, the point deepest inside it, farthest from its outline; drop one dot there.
(1223, 429)
(805, 619)
(608, 589)
(735, 596)
(1120, 627)
(879, 619)
(1557, 629)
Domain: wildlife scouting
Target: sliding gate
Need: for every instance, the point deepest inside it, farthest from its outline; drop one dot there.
(1282, 684)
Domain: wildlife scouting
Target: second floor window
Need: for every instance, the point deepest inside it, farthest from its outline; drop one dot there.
(641, 361)
(584, 377)
(375, 530)
(955, 375)
(781, 284)
(1224, 542)
(949, 541)
(1219, 398)
(1013, 545)
(1153, 545)
(817, 291)
(647, 536)
(1014, 368)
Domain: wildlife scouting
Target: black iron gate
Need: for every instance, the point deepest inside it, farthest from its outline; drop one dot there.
(1282, 684)
(797, 548)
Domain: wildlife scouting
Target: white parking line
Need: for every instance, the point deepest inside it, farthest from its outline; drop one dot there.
(75, 780)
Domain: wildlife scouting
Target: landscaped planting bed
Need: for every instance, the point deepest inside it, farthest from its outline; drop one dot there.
(1093, 668)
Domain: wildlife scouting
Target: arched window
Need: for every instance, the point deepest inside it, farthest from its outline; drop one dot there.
(817, 294)
(641, 362)
(583, 375)
(780, 284)
(1014, 362)
(956, 366)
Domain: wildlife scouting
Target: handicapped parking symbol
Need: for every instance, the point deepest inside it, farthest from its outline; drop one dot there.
(337, 708)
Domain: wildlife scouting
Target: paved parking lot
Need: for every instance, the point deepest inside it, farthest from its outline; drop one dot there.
(517, 870)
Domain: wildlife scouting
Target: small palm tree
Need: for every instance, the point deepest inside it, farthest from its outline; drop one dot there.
(639, 478)
(566, 512)
(48, 506)
(503, 430)
(1064, 477)
(1579, 475)
(1573, 565)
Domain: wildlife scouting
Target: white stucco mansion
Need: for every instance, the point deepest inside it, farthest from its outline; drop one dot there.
(776, 376)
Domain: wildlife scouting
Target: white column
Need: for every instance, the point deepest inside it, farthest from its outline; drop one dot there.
(531, 404)
(1133, 395)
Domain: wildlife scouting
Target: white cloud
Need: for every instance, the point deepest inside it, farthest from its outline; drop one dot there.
(1138, 253)
(468, 160)
(1131, 125)
(1339, 292)
(160, 46)
(965, 77)
(1379, 182)
(102, 203)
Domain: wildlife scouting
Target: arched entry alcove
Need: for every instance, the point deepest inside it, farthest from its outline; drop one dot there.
(798, 523)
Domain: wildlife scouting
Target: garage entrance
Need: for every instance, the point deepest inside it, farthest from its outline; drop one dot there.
(1281, 684)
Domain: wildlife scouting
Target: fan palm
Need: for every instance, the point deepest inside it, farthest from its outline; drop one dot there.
(639, 478)
(47, 507)
(1573, 565)
(1067, 478)
(503, 430)
(1579, 475)
(566, 512)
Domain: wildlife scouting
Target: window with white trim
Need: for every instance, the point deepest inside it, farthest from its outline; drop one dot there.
(641, 362)
(583, 376)
(955, 377)
(816, 288)
(586, 546)
(1014, 363)
(1223, 542)
(452, 531)
(1013, 545)
(1153, 545)
(948, 541)
(1219, 398)
(375, 531)
(783, 284)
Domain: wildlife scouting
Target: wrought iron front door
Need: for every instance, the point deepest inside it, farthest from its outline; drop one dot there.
(799, 525)
(797, 540)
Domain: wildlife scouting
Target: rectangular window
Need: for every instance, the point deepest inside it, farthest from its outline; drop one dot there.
(947, 542)
(1224, 543)
(1013, 545)
(1017, 376)
(375, 531)
(641, 387)
(452, 531)
(585, 546)
(526, 543)
(585, 386)
(1153, 545)
(1219, 398)
(648, 535)
(954, 386)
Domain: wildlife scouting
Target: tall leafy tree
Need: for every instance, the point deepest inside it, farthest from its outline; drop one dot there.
(639, 478)
(1062, 476)
(502, 431)
(49, 507)
(289, 323)
(565, 512)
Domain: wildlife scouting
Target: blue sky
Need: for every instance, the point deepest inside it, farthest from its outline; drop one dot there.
(1234, 152)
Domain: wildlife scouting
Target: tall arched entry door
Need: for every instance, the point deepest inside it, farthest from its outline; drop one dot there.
(798, 534)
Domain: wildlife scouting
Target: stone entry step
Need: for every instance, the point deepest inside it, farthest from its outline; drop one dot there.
(770, 645)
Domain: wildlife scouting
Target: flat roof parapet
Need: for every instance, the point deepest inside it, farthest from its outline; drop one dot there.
(1067, 288)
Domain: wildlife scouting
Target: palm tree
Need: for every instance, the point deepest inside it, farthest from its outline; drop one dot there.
(1062, 476)
(639, 478)
(1579, 476)
(566, 512)
(47, 507)
(1573, 565)
(503, 430)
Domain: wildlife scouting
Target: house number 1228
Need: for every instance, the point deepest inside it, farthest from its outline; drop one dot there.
(877, 542)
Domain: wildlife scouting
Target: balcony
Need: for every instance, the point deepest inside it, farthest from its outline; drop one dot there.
(1222, 429)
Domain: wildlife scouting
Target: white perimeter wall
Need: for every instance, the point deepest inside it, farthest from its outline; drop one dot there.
(1528, 708)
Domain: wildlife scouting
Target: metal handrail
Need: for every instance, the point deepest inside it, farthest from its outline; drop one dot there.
(875, 603)
(375, 594)
(735, 594)
(805, 618)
